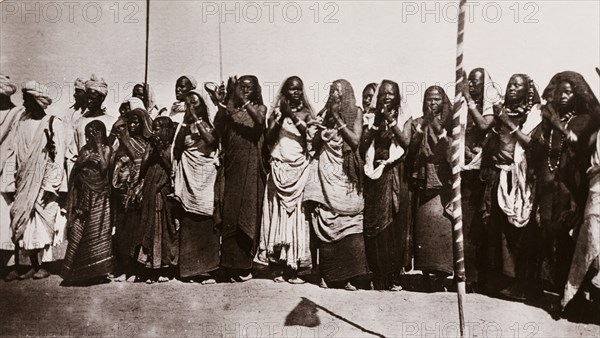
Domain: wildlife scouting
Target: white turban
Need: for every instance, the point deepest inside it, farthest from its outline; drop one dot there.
(6, 86)
(39, 93)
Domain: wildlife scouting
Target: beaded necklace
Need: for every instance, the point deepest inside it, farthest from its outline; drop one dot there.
(567, 117)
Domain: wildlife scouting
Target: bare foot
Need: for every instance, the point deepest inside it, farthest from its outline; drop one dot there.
(279, 279)
(396, 288)
(163, 279)
(209, 281)
(11, 276)
(296, 280)
(131, 279)
(323, 285)
(350, 287)
(41, 274)
(121, 278)
(27, 275)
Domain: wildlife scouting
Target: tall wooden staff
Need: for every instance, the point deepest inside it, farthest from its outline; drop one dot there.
(457, 233)
(146, 98)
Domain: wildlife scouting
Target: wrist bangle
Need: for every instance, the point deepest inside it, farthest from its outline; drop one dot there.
(374, 127)
(245, 104)
(514, 130)
(341, 127)
(222, 105)
(392, 124)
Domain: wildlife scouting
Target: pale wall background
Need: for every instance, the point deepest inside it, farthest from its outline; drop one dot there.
(362, 41)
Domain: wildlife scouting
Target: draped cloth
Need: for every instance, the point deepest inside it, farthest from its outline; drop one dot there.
(516, 198)
(284, 230)
(431, 182)
(340, 210)
(32, 222)
(157, 233)
(8, 122)
(374, 171)
(89, 252)
(194, 180)
(128, 213)
(337, 217)
(560, 168)
(586, 257)
(388, 222)
(241, 182)
(7, 87)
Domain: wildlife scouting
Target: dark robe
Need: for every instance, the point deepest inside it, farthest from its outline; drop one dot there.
(240, 187)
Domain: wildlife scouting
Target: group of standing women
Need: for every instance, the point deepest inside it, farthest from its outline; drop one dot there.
(361, 193)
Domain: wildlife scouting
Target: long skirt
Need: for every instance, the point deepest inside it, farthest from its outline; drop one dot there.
(387, 206)
(198, 245)
(433, 236)
(89, 252)
(160, 248)
(124, 237)
(472, 196)
(236, 252)
(343, 259)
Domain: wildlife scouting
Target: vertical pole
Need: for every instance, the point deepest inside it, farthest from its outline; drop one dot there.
(146, 103)
(457, 232)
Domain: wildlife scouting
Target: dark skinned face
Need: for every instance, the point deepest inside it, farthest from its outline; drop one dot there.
(433, 102)
(79, 96)
(336, 92)
(564, 95)
(516, 90)
(182, 87)
(476, 85)
(138, 91)
(367, 96)
(134, 125)
(387, 94)
(95, 100)
(294, 92)
(246, 89)
(192, 100)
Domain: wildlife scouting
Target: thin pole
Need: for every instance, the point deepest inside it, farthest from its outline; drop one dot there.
(146, 61)
(457, 233)
(220, 53)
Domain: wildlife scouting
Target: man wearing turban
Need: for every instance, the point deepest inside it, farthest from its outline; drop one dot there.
(9, 116)
(96, 90)
(39, 153)
(72, 115)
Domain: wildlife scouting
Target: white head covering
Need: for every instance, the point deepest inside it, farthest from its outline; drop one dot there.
(6, 86)
(39, 92)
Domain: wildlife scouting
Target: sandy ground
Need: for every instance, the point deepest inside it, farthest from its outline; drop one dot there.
(262, 308)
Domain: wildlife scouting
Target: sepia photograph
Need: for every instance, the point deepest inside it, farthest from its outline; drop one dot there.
(308, 168)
